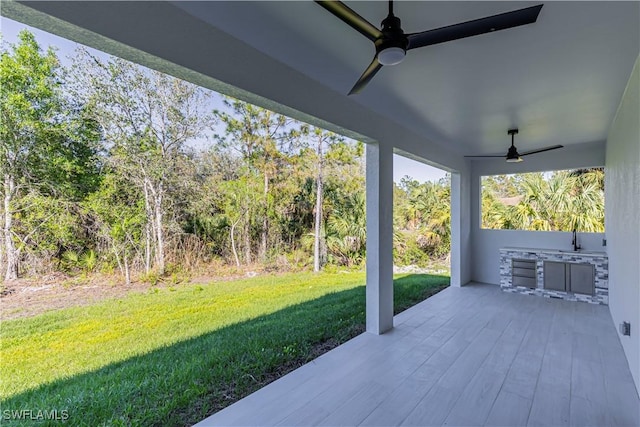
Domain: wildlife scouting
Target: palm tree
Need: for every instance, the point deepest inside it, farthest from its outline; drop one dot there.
(347, 231)
(422, 220)
(564, 201)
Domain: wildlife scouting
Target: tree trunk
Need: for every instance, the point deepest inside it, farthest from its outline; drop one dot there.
(247, 238)
(233, 242)
(11, 252)
(149, 232)
(127, 273)
(115, 253)
(159, 232)
(265, 221)
(317, 237)
(155, 215)
(147, 247)
(2, 266)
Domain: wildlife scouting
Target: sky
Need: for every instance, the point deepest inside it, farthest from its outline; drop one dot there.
(402, 166)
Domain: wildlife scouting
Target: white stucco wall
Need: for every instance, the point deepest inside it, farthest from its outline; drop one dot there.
(485, 244)
(622, 219)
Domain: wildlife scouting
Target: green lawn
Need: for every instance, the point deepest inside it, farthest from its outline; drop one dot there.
(174, 356)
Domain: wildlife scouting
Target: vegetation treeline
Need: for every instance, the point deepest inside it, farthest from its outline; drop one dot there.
(110, 166)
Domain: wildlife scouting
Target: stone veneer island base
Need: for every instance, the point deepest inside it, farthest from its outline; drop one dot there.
(600, 261)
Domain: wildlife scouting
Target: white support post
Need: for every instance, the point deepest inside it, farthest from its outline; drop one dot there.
(460, 229)
(456, 231)
(379, 238)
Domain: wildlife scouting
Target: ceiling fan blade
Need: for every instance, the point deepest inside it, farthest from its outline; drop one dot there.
(368, 74)
(476, 27)
(553, 147)
(352, 19)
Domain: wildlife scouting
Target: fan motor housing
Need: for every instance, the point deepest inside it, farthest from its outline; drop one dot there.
(392, 35)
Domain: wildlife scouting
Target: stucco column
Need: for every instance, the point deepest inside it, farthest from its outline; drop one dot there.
(460, 228)
(456, 231)
(379, 238)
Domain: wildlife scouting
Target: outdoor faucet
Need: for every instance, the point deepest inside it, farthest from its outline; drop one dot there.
(574, 242)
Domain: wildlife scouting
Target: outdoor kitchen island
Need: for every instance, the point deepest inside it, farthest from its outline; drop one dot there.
(554, 273)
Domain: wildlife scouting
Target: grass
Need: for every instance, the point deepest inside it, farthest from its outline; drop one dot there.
(174, 356)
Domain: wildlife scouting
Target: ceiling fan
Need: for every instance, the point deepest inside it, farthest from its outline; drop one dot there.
(513, 156)
(392, 43)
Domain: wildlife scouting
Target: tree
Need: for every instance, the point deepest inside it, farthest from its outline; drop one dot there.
(344, 202)
(422, 220)
(238, 206)
(347, 231)
(45, 139)
(263, 139)
(323, 142)
(147, 118)
(119, 214)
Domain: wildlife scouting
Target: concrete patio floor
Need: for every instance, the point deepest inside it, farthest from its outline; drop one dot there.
(468, 356)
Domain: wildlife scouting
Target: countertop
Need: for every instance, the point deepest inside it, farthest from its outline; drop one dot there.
(557, 251)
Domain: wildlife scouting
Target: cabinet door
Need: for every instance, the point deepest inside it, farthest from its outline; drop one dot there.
(582, 278)
(554, 276)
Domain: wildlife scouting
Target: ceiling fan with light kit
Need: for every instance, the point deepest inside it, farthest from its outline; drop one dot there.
(513, 156)
(392, 43)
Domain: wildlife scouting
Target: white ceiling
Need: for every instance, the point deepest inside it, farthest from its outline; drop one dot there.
(559, 80)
